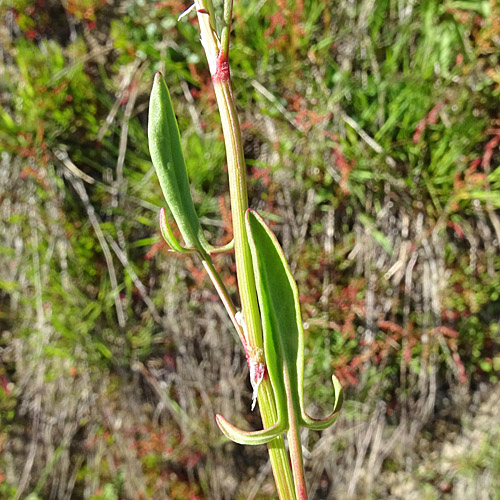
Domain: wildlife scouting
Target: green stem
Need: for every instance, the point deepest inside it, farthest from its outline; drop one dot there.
(244, 270)
(295, 446)
(225, 297)
(217, 56)
(239, 205)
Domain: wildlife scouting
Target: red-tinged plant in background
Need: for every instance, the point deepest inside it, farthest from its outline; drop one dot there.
(287, 22)
(4, 384)
(378, 350)
(430, 119)
(269, 324)
(84, 9)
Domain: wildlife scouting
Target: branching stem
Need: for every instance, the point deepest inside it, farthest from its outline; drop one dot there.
(217, 52)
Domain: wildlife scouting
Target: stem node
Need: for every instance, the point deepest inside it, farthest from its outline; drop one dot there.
(222, 73)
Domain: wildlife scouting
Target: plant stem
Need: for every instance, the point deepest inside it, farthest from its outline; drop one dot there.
(225, 298)
(244, 270)
(217, 56)
(295, 447)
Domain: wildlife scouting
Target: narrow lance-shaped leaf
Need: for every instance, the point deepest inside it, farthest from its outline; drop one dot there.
(166, 153)
(283, 339)
(282, 322)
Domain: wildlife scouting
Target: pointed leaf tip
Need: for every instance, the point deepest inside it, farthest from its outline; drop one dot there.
(319, 424)
(167, 233)
(249, 437)
(158, 78)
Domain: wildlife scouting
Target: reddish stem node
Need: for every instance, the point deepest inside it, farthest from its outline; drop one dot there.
(221, 74)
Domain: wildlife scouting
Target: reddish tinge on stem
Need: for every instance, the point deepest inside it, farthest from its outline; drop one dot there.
(221, 74)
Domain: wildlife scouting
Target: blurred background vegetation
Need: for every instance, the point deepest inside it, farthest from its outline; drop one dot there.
(372, 134)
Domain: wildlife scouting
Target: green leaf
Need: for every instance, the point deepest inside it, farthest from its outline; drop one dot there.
(251, 438)
(56, 352)
(282, 325)
(280, 310)
(103, 350)
(62, 329)
(145, 242)
(375, 233)
(168, 235)
(8, 286)
(168, 160)
(7, 251)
